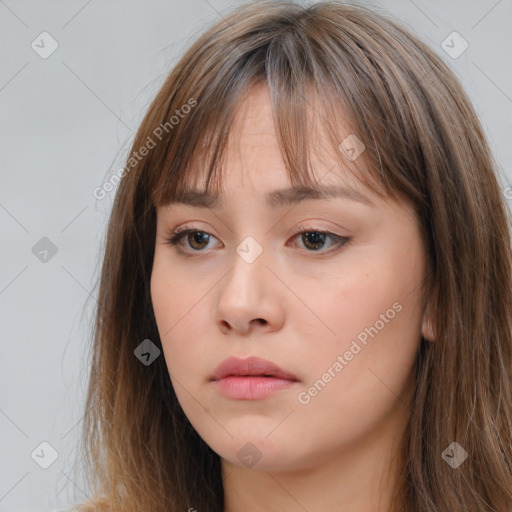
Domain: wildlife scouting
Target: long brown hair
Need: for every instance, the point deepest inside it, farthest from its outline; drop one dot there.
(423, 143)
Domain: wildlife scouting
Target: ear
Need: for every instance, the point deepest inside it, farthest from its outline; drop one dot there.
(428, 330)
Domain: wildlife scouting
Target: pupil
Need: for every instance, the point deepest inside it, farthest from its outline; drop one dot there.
(314, 237)
(198, 238)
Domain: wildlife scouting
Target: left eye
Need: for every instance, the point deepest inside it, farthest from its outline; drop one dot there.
(314, 239)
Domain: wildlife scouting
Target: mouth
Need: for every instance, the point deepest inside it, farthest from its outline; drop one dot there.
(250, 367)
(251, 379)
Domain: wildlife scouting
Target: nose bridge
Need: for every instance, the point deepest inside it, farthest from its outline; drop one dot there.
(247, 277)
(246, 294)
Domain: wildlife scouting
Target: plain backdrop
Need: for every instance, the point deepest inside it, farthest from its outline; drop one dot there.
(76, 79)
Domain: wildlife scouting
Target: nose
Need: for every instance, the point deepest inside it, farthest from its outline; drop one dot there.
(249, 299)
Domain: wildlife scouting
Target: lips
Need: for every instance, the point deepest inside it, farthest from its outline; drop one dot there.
(251, 366)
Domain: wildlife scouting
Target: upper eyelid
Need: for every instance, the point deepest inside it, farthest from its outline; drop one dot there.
(298, 230)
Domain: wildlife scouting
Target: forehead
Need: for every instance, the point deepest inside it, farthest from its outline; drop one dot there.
(268, 152)
(253, 155)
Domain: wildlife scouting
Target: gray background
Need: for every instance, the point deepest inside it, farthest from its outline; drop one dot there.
(67, 122)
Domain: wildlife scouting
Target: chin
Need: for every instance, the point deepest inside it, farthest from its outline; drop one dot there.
(260, 453)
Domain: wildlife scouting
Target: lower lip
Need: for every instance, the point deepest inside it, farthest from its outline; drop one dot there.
(251, 388)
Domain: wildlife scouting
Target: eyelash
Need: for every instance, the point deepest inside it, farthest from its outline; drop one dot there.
(340, 241)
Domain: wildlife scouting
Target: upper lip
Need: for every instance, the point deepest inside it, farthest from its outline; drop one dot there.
(250, 366)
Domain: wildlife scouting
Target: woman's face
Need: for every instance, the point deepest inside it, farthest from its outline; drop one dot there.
(343, 318)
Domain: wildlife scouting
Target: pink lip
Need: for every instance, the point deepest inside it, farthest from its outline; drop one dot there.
(250, 379)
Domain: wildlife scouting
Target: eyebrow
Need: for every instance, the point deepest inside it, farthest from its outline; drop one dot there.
(276, 198)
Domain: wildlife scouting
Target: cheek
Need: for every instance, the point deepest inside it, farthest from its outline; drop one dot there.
(370, 287)
(373, 315)
(377, 336)
(352, 301)
(170, 301)
(182, 321)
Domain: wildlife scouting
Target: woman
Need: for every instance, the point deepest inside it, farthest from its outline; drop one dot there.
(305, 299)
